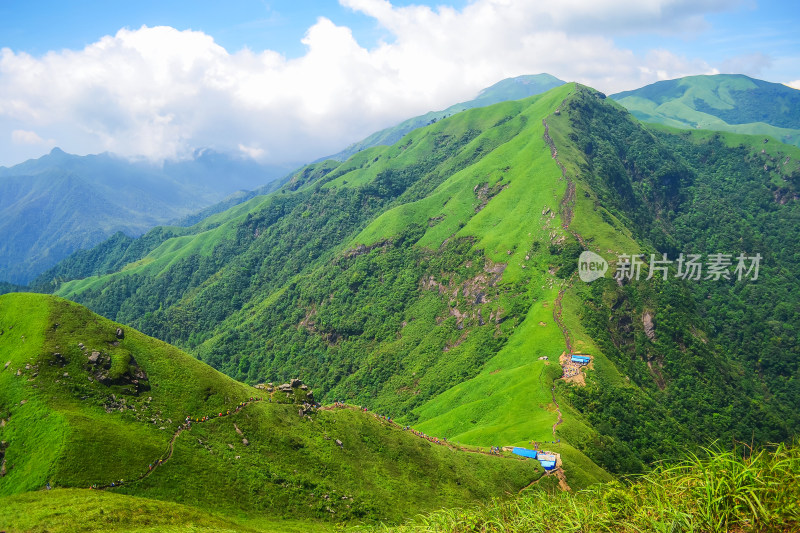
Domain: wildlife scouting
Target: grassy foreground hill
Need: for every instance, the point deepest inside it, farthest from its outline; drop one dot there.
(85, 402)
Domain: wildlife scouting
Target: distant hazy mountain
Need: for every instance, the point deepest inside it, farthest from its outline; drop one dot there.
(502, 91)
(59, 203)
(725, 102)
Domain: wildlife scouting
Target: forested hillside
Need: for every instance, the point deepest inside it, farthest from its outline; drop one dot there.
(435, 280)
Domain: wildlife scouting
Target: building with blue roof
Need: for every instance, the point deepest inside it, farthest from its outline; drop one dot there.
(524, 452)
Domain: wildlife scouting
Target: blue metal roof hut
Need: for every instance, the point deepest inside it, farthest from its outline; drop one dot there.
(581, 359)
(524, 452)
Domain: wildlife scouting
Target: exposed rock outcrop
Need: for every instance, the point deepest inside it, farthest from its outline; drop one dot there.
(649, 327)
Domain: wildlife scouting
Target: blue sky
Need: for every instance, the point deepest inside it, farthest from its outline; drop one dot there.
(38, 27)
(765, 27)
(292, 81)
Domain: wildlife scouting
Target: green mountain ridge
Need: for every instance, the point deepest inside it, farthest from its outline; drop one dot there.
(504, 90)
(434, 280)
(723, 102)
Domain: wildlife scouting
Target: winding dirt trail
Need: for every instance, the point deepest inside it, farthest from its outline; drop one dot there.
(568, 201)
(559, 320)
(167, 455)
(566, 212)
(558, 410)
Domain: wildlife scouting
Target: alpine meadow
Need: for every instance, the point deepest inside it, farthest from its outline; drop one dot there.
(543, 309)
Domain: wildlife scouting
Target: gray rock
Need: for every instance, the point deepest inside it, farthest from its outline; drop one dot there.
(94, 357)
(246, 442)
(339, 443)
(649, 327)
(295, 383)
(120, 333)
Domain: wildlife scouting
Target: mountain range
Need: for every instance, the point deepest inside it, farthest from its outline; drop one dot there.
(60, 203)
(436, 281)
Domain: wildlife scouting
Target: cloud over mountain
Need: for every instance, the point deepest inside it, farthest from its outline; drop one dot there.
(160, 93)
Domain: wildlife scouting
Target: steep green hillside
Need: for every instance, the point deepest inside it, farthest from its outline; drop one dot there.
(717, 359)
(723, 102)
(85, 403)
(502, 91)
(435, 280)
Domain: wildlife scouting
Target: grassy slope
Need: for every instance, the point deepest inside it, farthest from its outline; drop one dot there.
(674, 104)
(75, 510)
(63, 434)
(509, 402)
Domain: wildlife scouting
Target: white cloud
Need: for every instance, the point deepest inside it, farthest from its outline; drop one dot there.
(793, 84)
(252, 151)
(26, 137)
(162, 93)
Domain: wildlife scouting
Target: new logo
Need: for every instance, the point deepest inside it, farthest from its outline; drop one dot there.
(591, 266)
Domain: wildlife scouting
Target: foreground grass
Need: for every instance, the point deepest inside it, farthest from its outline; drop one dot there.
(76, 510)
(720, 492)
